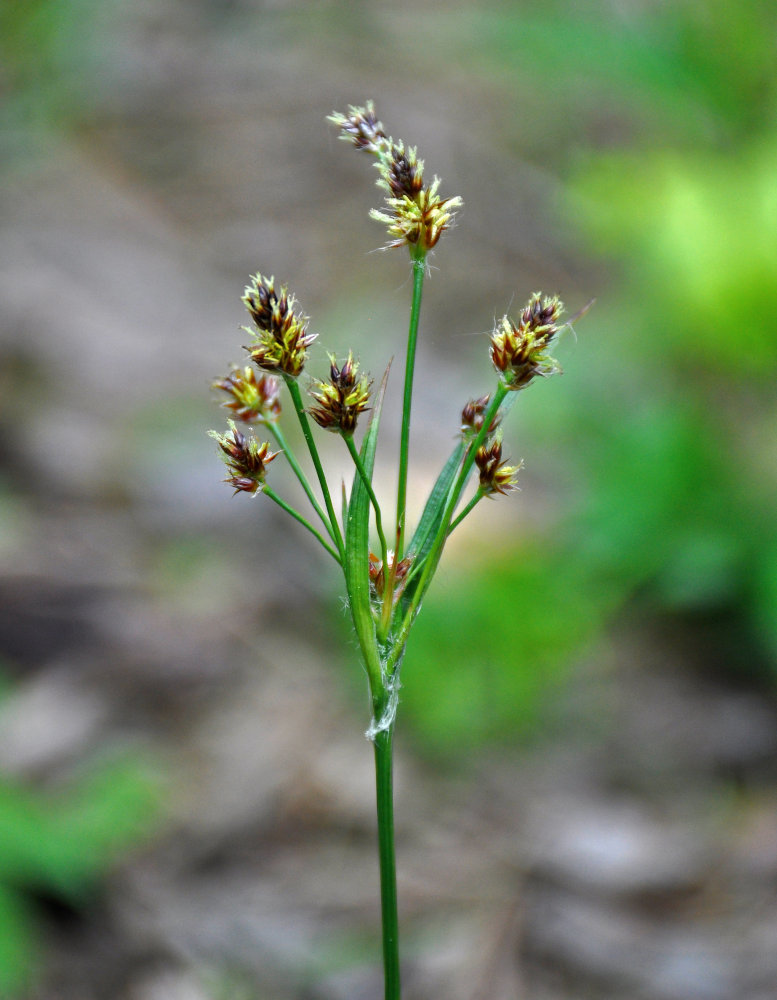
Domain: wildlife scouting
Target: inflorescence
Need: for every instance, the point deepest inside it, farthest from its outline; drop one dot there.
(281, 335)
(246, 459)
(518, 350)
(341, 398)
(415, 216)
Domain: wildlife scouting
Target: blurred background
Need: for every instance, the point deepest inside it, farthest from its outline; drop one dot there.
(586, 788)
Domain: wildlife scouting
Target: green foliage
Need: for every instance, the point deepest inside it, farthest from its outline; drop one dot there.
(679, 490)
(763, 599)
(698, 70)
(357, 529)
(61, 844)
(695, 236)
(431, 516)
(17, 942)
(674, 516)
(493, 642)
(57, 60)
(655, 487)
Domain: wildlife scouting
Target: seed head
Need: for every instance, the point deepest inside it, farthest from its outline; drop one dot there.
(518, 350)
(402, 174)
(361, 127)
(251, 399)
(415, 214)
(245, 458)
(496, 476)
(473, 414)
(341, 399)
(281, 333)
(417, 221)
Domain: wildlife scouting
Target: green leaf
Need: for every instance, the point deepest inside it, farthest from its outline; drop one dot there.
(425, 534)
(495, 644)
(431, 518)
(64, 843)
(357, 548)
(18, 945)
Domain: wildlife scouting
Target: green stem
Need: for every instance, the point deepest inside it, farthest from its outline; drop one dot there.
(303, 479)
(470, 506)
(296, 398)
(430, 563)
(419, 270)
(388, 869)
(303, 521)
(373, 499)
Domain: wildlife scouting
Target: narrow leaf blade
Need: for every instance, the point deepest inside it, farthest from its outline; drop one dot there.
(357, 546)
(429, 524)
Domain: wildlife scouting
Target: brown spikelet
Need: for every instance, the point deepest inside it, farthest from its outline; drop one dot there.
(496, 476)
(281, 335)
(251, 398)
(246, 459)
(473, 415)
(519, 350)
(342, 398)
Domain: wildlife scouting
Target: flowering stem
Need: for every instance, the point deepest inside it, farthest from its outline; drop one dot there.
(470, 506)
(388, 871)
(433, 558)
(303, 521)
(296, 399)
(419, 270)
(303, 479)
(469, 459)
(373, 499)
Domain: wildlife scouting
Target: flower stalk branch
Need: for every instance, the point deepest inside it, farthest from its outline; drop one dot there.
(269, 492)
(283, 444)
(296, 398)
(474, 501)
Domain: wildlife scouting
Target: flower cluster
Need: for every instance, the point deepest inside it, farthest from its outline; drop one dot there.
(518, 350)
(496, 476)
(245, 458)
(417, 216)
(281, 335)
(362, 128)
(473, 415)
(281, 345)
(340, 399)
(251, 399)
